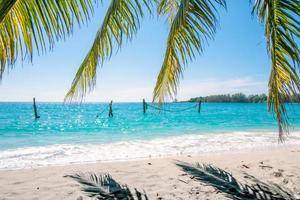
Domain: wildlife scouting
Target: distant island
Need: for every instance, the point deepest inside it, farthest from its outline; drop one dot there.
(241, 98)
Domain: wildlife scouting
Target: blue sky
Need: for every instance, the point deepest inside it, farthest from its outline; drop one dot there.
(236, 61)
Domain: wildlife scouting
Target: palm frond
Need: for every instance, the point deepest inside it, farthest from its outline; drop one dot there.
(26, 25)
(231, 187)
(281, 19)
(168, 8)
(121, 22)
(195, 22)
(104, 187)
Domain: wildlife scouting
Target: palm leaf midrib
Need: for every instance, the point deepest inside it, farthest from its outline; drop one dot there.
(5, 10)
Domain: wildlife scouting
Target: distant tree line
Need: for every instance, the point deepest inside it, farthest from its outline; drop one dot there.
(241, 98)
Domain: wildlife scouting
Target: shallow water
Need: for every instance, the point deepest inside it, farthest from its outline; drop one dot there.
(78, 133)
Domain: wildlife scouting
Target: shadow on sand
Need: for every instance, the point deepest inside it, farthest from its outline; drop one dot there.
(104, 187)
(229, 186)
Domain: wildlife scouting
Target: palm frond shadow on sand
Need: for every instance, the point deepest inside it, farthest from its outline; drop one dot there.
(104, 187)
(229, 186)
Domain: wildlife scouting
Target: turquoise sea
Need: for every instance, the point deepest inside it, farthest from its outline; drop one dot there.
(84, 133)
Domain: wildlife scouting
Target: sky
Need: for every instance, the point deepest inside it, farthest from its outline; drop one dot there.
(235, 61)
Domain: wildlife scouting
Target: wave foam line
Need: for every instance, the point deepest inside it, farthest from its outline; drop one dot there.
(33, 157)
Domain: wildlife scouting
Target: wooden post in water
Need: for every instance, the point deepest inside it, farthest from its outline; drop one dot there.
(144, 106)
(199, 106)
(35, 110)
(110, 111)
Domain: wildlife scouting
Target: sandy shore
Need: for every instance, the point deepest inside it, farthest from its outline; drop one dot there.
(158, 177)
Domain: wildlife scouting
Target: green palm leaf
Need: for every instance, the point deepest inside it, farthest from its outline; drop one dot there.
(121, 22)
(282, 30)
(26, 25)
(168, 8)
(194, 23)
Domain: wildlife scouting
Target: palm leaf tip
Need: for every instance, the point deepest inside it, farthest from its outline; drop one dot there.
(121, 22)
(192, 26)
(29, 26)
(103, 186)
(282, 30)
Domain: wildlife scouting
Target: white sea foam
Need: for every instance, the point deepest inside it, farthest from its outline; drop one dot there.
(33, 157)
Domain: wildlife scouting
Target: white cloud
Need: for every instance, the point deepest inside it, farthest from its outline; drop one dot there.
(247, 85)
(119, 93)
(187, 89)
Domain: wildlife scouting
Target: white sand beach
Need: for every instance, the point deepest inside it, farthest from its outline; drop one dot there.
(149, 100)
(160, 178)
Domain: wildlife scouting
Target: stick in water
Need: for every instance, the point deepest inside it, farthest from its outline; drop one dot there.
(110, 112)
(144, 106)
(199, 106)
(35, 110)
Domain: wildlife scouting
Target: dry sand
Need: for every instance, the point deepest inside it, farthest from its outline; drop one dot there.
(158, 177)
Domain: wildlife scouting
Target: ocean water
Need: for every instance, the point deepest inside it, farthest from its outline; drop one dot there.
(76, 133)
